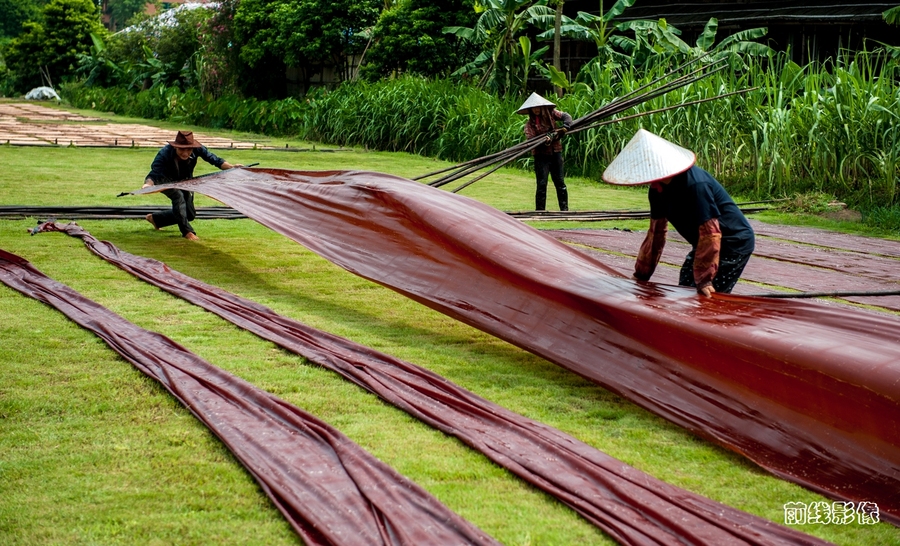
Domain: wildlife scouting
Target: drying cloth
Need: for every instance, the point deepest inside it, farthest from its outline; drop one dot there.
(330, 490)
(631, 506)
(810, 393)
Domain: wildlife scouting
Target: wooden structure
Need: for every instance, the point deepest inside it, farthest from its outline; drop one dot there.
(809, 30)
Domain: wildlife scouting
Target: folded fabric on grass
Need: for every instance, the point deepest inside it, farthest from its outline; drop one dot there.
(330, 490)
(631, 506)
(807, 392)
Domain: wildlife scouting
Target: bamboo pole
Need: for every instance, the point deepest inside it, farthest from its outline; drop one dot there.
(630, 100)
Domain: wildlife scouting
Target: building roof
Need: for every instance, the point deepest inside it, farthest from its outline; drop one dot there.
(758, 13)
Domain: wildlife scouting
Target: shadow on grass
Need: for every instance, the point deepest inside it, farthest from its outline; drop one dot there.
(483, 364)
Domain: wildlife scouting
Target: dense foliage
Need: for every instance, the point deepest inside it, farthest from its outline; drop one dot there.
(409, 39)
(14, 13)
(52, 46)
(829, 128)
(310, 35)
(120, 12)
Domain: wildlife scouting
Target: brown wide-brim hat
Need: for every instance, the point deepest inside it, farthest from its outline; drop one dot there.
(648, 158)
(185, 139)
(534, 101)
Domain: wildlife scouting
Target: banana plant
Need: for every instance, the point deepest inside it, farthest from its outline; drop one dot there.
(892, 16)
(587, 27)
(96, 66)
(151, 72)
(501, 67)
(657, 41)
(530, 59)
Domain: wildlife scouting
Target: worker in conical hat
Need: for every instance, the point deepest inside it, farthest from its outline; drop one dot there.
(696, 205)
(544, 119)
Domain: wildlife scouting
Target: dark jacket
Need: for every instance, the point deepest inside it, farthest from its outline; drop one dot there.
(167, 167)
(694, 197)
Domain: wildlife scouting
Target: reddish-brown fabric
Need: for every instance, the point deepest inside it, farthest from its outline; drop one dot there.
(330, 490)
(807, 265)
(651, 249)
(808, 392)
(706, 255)
(631, 506)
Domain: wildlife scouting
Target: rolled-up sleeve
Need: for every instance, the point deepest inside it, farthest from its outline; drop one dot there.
(706, 255)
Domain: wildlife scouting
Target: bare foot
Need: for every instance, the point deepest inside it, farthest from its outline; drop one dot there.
(192, 237)
(149, 218)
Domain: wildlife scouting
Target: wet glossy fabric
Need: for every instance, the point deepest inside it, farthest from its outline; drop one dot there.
(329, 489)
(631, 506)
(808, 392)
(798, 265)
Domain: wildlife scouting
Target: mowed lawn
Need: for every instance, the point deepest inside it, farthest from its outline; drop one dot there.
(92, 452)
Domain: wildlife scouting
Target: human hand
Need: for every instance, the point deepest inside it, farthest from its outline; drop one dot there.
(147, 184)
(707, 290)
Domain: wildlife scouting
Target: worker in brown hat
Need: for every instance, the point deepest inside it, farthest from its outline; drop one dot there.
(697, 206)
(175, 162)
(544, 119)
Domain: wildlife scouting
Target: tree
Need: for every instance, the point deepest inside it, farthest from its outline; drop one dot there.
(408, 38)
(653, 42)
(588, 28)
(500, 31)
(592, 28)
(310, 35)
(53, 46)
(122, 11)
(14, 14)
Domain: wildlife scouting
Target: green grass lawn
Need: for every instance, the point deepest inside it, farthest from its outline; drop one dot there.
(92, 452)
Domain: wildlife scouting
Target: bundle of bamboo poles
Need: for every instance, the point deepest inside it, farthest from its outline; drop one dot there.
(680, 77)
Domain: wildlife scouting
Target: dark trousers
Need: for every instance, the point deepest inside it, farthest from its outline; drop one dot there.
(730, 268)
(182, 211)
(551, 165)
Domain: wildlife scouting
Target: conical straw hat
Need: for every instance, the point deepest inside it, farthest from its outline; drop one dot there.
(647, 158)
(534, 101)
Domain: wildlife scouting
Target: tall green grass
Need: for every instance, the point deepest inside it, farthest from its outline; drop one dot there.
(831, 127)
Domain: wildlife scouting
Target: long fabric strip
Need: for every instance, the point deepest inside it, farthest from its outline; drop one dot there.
(330, 490)
(807, 392)
(631, 506)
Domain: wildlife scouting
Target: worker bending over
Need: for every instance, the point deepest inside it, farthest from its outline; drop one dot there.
(696, 205)
(175, 162)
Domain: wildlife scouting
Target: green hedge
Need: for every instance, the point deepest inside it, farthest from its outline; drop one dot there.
(832, 128)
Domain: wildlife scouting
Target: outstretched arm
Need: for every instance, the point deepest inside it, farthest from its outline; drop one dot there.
(215, 160)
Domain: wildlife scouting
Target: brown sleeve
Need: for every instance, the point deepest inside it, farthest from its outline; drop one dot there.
(529, 129)
(706, 255)
(564, 117)
(651, 249)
